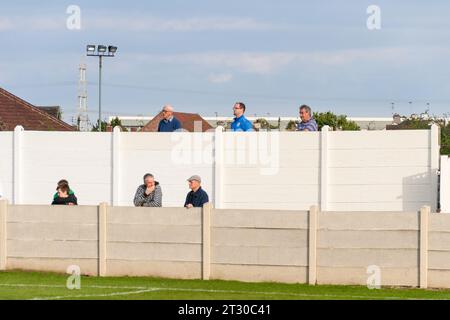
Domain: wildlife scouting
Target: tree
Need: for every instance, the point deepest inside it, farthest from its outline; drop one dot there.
(116, 122)
(291, 126)
(104, 125)
(263, 124)
(445, 140)
(336, 122)
(424, 123)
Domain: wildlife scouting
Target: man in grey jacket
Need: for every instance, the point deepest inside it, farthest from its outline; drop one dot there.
(149, 194)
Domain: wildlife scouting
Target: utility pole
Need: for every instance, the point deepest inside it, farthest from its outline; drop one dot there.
(82, 119)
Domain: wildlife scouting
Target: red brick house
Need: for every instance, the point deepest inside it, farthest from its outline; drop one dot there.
(17, 112)
(188, 122)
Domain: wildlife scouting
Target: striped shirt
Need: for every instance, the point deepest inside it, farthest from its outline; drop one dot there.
(154, 199)
(310, 125)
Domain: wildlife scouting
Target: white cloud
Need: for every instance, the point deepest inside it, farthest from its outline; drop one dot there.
(5, 24)
(220, 78)
(160, 24)
(114, 23)
(265, 63)
(32, 23)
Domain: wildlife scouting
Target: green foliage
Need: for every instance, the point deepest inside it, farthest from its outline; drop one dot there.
(337, 122)
(116, 122)
(424, 123)
(445, 140)
(265, 125)
(224, 124)
(291, 126)
(95, 127)
(415, 124)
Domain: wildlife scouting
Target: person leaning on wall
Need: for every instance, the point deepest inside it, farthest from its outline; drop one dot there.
(149, 194)
(308, 123)
(197, 197)
(240, 122)
(64, 195)
(169, 123)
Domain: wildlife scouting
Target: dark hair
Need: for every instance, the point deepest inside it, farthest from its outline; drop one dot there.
(242, 105)
(307, 108)
(63, 182)
(63, 186)
(148, 175)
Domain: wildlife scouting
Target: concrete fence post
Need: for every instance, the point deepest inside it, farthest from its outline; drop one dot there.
(3, 237)
(206, 241)
(17, 165)
(423, 273)
(102, 238)
(218, 167)
(312, 245)
(324, 135)
(115, 183)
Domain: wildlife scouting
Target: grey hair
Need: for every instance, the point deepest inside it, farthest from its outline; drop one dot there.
(148, 175)
(168, 107)
(307, 108)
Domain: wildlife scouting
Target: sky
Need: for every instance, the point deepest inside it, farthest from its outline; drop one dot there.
(202, 56)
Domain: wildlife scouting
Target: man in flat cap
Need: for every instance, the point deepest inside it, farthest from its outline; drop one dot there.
(197, 197)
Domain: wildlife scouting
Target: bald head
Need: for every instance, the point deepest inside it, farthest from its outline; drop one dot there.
(168, 112)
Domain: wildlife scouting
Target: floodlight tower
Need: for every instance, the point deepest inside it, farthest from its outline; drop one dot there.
(101, 52)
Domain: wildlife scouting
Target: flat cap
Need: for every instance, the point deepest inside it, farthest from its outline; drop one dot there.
(195, 178)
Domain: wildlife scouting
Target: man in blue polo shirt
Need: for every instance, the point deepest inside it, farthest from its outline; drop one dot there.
(169, 123)
(197, 197)
(240, 122)
(308, 123)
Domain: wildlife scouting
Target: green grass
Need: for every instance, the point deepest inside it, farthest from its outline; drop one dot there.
(32, 285)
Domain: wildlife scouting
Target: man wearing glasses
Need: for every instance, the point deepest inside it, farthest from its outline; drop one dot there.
(240, 122)
(169, 123)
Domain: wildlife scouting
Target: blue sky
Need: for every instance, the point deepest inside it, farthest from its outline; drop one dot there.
(202, 56)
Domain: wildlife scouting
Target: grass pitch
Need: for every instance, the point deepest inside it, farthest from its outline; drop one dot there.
(47, 286)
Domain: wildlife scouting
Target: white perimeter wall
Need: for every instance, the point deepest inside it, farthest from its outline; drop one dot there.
(352, 171)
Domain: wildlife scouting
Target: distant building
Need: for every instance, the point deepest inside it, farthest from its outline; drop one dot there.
(191, 122)
(17, 112)
(132, 124)
(53, 111)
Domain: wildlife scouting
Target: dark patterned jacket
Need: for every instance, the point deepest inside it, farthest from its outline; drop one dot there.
(154, 199)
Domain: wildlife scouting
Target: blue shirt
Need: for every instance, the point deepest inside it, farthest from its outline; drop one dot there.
(241, 124)
(169, 125)
(197, 199)
(310, 125)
